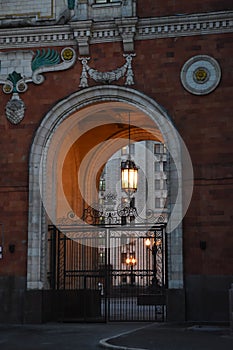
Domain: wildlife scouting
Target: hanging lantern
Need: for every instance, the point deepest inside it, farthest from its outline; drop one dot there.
(129, 172)
(129, 176)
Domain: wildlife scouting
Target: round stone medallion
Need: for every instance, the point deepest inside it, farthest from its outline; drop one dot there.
(200, 75)
(67, 54)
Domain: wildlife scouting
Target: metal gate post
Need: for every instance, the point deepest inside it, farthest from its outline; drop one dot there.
(108, 277)
(53, 256)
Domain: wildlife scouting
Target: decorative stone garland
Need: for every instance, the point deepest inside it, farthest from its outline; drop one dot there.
(107, 77)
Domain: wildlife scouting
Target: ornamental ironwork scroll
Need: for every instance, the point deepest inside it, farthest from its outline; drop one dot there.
(123, 214)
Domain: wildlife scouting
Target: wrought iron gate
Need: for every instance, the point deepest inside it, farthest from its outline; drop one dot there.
(108, 273)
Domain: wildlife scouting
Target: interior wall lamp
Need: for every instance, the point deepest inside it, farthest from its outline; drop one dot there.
(131, 261)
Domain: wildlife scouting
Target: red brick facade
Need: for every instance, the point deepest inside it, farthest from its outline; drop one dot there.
(204, 122)
(171, 7)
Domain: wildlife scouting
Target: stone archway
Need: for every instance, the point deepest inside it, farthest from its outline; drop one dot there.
(59, 122)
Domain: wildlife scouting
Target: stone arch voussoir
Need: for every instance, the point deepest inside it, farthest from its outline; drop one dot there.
(62, 111)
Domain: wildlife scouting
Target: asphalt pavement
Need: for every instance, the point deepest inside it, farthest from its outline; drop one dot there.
(124, 335)
(164, 336)
(59, 336)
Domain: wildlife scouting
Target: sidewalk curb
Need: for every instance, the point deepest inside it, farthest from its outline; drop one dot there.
(104, 343)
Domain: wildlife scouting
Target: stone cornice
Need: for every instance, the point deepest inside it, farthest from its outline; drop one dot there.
(180, 25)
(36, 36)
(132, 28)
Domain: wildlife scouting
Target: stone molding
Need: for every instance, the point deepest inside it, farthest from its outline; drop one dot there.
(30, 68)
(82, 34)
(125, 30)
(189, 25)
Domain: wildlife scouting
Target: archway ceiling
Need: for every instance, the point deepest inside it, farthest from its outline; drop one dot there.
(94, 135)
(94, 125)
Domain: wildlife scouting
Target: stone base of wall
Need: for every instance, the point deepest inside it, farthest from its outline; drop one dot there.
(175, 300)
(231, 307)
(80, 305)
(12, 299)
(62, 306)
(207, 298)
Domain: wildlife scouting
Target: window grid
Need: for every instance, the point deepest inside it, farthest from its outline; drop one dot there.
(160, 148)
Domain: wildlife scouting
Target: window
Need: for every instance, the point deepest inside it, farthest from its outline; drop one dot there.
(164, 202)
(102, 185)
(159, 148)
(165, 167)
(157, 184)
(160, 202)
(157, 202)
(105, 1)
(157, 166)
(160, 184)
(164, 184)
(132, 148)
(104, 10)
(125, 149)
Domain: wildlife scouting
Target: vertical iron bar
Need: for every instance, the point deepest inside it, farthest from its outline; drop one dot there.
(53, 257)
(165, 257)
(105, 278)
(154, 253)
(108, 272)
(64, 263)
(58, 258)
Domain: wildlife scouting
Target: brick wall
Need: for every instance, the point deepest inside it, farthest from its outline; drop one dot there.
(204, 122)
(172, 7)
